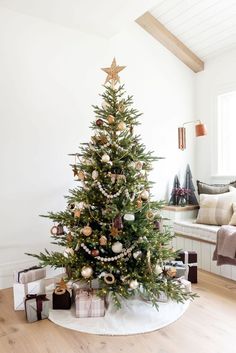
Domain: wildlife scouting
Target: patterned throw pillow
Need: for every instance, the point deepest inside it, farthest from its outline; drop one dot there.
(216, 209)
(232, 222)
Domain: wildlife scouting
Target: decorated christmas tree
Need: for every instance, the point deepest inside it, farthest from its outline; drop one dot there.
(110, 228)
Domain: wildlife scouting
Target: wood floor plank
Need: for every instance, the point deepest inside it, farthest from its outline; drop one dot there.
(208, 326)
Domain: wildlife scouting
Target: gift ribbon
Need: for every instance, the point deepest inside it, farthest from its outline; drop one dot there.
(28, 269)
(39, 303)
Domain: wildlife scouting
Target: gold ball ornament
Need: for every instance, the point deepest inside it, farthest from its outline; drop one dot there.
(87, 231)
(144, 195)
(77, 213)
(86, 271)
(103, 240)
(109, 278)
(105, 158)
(121, 126)
(111, 119)
(150, 215)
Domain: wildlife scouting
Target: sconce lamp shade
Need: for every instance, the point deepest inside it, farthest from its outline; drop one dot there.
(182, 138)
(200, 130)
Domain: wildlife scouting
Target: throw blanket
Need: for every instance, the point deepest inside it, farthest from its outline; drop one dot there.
(225, 251)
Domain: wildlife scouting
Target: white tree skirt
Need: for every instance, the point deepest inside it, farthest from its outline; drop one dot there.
(135, 316)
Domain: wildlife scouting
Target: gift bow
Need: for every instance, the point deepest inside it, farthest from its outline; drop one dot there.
(39, 303)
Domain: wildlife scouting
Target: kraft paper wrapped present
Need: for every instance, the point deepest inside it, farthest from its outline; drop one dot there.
(189, 259)
(21, 290)
(29, 274)
(88, 304)
(36, 307)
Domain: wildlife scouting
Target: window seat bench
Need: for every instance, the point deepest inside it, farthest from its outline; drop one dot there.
(190, 235)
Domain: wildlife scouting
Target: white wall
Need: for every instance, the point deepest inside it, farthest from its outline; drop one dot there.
(50, 77)
(163, 89)
(219, 76)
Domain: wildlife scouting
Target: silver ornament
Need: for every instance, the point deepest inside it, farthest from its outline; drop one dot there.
(144, 195)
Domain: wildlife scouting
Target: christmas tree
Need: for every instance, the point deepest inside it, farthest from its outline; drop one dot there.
(110, 228)
(188, 184)
(174, 198)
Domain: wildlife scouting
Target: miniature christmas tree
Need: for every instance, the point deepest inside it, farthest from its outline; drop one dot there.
(174, 198)
(110, 228)
(188, 184)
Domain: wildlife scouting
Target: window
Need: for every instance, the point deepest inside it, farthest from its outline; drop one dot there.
(226, 156)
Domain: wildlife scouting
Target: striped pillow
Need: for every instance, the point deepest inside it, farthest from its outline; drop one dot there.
(216, 209)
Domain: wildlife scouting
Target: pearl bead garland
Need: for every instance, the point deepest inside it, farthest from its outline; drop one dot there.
(124, 253)
(109, 196)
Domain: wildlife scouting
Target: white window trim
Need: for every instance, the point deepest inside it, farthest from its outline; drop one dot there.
(227, 88)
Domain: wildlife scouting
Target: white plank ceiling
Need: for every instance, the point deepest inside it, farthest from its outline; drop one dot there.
(207, 27)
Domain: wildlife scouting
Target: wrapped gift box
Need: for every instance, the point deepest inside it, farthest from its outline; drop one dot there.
(61, 299)
(88, 304)
(21, 290)
(162, 297)
(189, 258)
(179, 267)
(29, 274)
(36, 307)
(185, 284)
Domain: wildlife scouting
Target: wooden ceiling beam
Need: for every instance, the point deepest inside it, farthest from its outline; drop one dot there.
(171, 42)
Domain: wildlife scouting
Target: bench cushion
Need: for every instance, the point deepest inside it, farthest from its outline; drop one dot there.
(194, 230)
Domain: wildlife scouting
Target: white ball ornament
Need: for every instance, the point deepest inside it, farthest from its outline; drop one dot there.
(144, 195)
(133, 284)
(86, 271)
(105, 158)
(68, 251)
(129, 217)
(95, 174)
(158, 270)
(132, 165)
(137, 254)
(138, 165)
(117, 247)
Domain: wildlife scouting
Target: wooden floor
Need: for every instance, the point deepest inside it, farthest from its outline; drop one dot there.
(208, 326)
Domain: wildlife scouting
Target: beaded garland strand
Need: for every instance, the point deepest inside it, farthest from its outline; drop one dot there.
(124, 253)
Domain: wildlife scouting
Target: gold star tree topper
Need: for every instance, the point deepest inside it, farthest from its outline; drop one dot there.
(112, 73)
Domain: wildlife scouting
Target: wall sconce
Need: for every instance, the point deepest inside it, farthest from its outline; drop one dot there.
(200, 130)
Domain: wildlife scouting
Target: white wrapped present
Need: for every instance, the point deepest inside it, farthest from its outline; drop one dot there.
(21, 290)
(29, 274)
